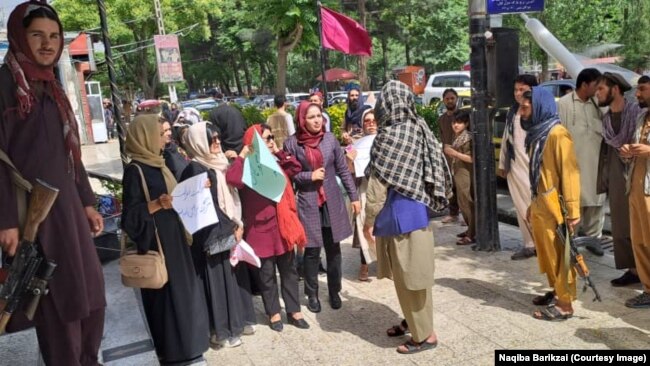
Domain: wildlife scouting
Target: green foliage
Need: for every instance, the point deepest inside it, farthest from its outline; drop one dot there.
(430, 115)
(266, 112)
(113, 188)
(635, 41)
(337, 118)
(252, 115)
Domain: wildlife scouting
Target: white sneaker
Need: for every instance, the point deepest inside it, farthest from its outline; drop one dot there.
(227, 343)
(249, 330)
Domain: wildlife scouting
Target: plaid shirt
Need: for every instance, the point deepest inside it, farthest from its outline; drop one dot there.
(406, 155)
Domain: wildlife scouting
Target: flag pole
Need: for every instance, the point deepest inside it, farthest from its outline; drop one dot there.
(322, 52)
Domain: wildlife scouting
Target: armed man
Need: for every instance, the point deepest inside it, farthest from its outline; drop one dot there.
(39, 134)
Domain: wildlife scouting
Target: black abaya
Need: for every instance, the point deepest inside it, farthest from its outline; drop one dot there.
(176, 313)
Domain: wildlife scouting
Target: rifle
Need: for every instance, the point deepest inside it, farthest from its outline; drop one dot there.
(29, 271)
(577, 259)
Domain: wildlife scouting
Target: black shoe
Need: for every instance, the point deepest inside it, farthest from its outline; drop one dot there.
(298, 323)
(628, 278)
(335, 301)
(321, 268)
(277, 326)
(313, 304)
(523, 253)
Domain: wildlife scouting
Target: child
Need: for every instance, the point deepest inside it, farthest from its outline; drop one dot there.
(461, 153)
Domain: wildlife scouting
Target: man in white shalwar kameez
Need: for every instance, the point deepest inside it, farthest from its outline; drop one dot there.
(513, 165)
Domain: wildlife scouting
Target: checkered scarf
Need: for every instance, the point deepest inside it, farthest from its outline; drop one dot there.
(406, 155)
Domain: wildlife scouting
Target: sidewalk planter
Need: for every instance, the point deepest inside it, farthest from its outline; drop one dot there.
(107, 242)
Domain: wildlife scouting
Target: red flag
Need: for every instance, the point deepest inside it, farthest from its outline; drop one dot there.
(342, 33)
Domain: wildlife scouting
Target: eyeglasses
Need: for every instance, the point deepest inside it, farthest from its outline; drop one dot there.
(369, 121)
(270, 138)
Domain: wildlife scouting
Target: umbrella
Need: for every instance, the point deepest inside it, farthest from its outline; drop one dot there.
(337, 74)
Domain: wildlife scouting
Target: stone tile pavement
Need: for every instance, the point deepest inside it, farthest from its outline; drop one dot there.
(482, 302)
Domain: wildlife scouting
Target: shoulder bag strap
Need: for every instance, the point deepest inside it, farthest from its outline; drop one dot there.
(15, 174)
(145, 189)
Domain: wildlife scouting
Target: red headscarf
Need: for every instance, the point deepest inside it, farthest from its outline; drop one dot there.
(311, 141)
(291, 229)
(26, 72)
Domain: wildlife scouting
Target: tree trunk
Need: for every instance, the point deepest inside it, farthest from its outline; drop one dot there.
(363, 60)
(235, 70)
(407, 50)
(247, 75)
(544, 76)
(384, 57)
(285, 45)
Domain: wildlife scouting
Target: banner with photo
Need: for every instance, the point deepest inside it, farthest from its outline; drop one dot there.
(168, 57)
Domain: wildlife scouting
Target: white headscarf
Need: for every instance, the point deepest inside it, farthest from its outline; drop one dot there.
(198, 147)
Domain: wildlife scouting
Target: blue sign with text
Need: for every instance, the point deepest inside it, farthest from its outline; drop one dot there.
(514, 6)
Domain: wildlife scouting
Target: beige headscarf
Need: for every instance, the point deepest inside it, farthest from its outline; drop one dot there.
(143, 145)
(198, 147)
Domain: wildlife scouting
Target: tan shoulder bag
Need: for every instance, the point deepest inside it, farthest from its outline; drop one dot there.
(143, 270)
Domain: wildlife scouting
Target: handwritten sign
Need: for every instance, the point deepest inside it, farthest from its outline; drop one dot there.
(194, 204)
(362, 146)
(514, 6)
(262, 173)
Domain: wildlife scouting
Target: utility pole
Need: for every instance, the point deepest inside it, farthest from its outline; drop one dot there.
(115, 97)
(161, 30)
(487, 233)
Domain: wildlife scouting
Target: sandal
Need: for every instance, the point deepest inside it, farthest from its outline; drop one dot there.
(546, 299)
(462, 235)
(465, 241)
(551, 313)
(415, 347)
(398, 330)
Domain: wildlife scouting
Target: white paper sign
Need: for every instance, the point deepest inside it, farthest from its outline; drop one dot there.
(362, 146)
(194, 204)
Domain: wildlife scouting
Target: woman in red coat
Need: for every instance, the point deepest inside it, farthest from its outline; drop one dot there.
(272, 229)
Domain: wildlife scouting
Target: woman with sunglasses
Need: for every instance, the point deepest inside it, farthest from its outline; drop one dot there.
(227, 288)
(320, 202)
(273, 230)
(359, 240)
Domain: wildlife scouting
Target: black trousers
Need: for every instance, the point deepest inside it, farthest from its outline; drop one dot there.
(268, 283)
(333, 258)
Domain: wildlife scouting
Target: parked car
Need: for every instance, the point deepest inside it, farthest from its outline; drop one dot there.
(296, 98)
(337, 99)
(438, 82)
(559, 87)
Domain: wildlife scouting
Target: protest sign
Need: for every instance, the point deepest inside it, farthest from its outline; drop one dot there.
(262, 173)
(194, 204)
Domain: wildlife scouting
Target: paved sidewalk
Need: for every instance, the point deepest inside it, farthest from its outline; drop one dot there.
(482, 302)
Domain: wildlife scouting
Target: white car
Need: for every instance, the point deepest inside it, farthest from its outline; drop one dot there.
(438, 82)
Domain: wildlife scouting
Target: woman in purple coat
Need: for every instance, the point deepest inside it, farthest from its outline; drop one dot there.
(320, 202)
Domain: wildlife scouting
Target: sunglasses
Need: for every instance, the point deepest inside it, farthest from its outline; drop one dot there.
(270, 138)
(369, 121)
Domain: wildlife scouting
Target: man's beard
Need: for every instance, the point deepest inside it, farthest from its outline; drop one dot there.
(354, 103)
(608, 101)
(643, 103)
(451, 108)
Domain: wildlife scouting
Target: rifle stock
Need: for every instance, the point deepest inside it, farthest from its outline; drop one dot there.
(42, 198)
(28, 272)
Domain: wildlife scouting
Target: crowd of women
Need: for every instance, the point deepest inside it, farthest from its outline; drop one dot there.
(207, 301)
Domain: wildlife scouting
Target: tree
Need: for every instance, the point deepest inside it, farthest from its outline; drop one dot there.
(294, 24)
(634, 38)
(132, 26)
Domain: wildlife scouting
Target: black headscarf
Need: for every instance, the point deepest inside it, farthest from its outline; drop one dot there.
(231, 125)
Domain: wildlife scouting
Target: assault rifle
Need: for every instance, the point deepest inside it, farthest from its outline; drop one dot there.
(577, 259)
(29, 271)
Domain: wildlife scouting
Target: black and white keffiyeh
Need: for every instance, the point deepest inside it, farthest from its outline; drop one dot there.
(406, 155)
